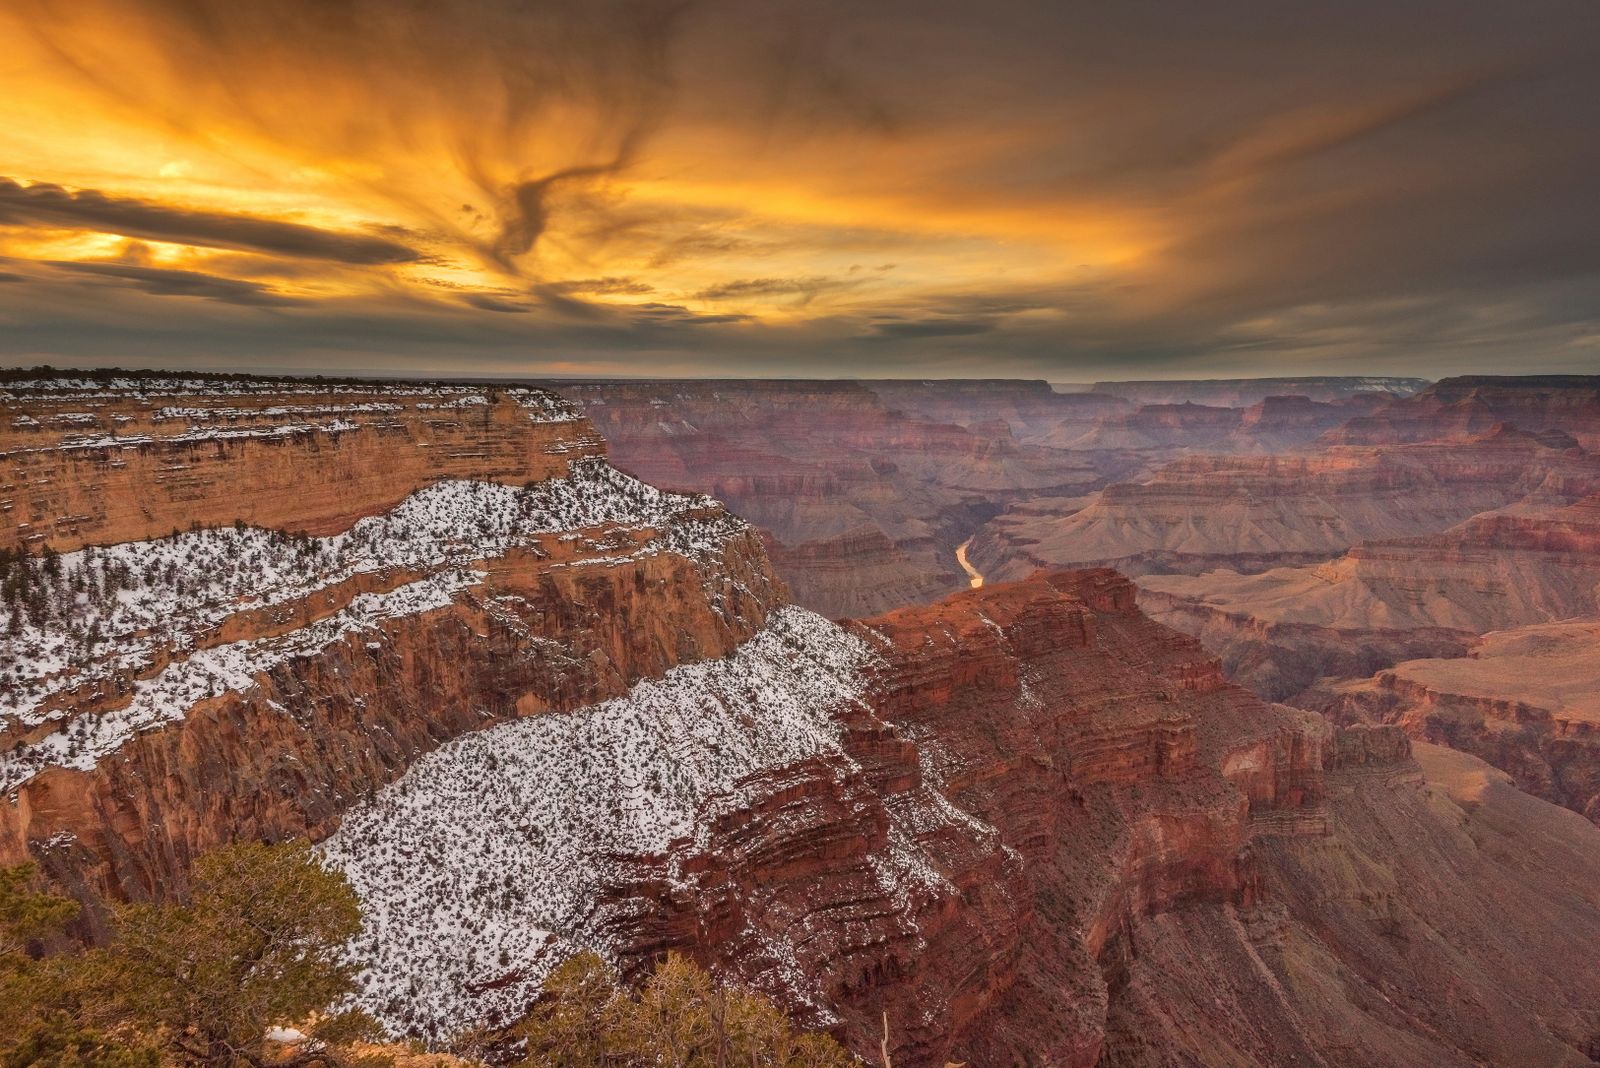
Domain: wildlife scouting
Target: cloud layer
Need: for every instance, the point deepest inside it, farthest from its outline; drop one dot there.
(659, 187)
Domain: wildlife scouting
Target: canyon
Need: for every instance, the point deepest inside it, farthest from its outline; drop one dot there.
(1312, 532)
(963, 775)
(1243, 392)
(862, 490)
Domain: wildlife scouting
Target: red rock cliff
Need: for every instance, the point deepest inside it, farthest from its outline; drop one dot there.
(124, 460)
(478, 562)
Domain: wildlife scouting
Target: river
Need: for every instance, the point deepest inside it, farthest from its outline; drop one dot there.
(961, 558)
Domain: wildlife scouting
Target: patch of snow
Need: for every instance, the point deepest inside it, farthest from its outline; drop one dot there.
(484, 862)
(202, 414)
(207, 673)
(117, 609)
(543, 407)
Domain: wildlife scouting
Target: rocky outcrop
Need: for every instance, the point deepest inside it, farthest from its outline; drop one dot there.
(164, 695)
(1157, 426)
(1527, 701)
(1281, 424)
(1384, 602)
(99, 461)
(1243, 392)
(1441, 904)
(1273, 424)
(1112, 757)
(1028, 823)
(1474, 404)
(1002, 782)
(1133, 841)
(1031, 410)
(1249, 513)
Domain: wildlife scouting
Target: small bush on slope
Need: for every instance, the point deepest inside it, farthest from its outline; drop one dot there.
(681, 1018)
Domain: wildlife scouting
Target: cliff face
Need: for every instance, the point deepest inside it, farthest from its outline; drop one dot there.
(1033, 411)
(1026, 822)
(1253, 512)
(1325, 635)
(1110, 755)
(1524, 700)
(1243, 392)
(90, 462)
(1156, 426)
(1497, 570)
(1472, 404)
(1435, 923)
(529, 715)
(945, 813)
(164, 695)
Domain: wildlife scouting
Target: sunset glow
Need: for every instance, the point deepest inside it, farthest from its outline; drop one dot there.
(657, 189)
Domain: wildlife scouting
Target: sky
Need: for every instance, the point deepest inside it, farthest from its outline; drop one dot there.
(1072, 191)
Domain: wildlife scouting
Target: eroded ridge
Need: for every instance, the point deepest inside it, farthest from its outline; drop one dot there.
(487, 864)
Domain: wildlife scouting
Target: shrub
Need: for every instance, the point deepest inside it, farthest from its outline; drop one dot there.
(680, 1018)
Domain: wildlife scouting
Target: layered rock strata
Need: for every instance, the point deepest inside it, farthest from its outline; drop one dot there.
(103, 460)
(1027, 823)
(1383, 602)
(1525, 700)
(164, 695)
(1243, 392)
(863, 489)
(1472, 404)
(1248, 513)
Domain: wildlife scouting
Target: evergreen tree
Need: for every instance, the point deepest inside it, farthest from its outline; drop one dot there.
(40, 996)
(257, 945)
(197, 983)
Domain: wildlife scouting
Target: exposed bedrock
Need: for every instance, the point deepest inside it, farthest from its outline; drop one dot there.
(864, 489)
(1472, 404)
(1526, 700)
(533, 713)
(142, 457)
(166, 695)
(1480, 637)
(1250, 513)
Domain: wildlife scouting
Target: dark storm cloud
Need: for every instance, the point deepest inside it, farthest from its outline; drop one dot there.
(539, 298)
(166, 282)
(657, 314)
(526, 213)
(603, 286)
(486, 302)
(51, 207)
(930, 328)
(745, 288)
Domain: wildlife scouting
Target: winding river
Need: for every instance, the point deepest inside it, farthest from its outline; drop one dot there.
(961, 558)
